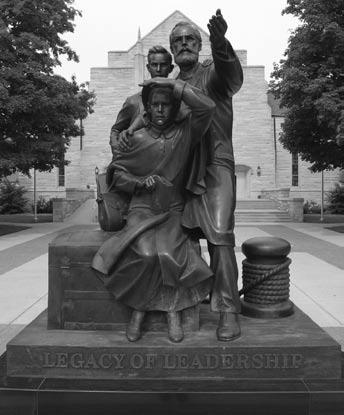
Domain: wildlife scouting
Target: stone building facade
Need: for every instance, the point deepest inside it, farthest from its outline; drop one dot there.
(261, 162)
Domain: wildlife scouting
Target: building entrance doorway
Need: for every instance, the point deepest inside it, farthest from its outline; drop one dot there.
(243, 175)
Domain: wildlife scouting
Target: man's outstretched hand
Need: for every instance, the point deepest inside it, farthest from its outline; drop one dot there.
(217, 28)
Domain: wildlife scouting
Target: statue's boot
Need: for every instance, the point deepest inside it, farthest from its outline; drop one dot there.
(134, 327)
(175, 329)
(229, 327)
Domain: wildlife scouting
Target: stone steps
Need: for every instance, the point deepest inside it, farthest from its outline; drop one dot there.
(255, 204)
(259, 210)
(261, 215)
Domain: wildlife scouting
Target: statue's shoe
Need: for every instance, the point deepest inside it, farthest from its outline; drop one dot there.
(134, 327)
(175, 329)
(229, 327)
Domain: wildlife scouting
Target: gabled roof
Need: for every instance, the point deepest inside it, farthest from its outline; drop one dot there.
(181, 17)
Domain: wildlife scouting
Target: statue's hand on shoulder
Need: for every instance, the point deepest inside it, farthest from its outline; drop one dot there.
(217, 28)
(124, 140)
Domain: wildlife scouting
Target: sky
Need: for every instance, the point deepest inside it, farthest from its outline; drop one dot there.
(254, 25)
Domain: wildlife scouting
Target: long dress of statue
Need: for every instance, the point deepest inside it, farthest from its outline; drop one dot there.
(212, 173)
(153, 264)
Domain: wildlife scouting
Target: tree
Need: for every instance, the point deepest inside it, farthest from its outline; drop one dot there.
(310, 83)
(38, 109)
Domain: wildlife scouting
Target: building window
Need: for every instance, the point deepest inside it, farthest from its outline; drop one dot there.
(294, 169)
(61, 171)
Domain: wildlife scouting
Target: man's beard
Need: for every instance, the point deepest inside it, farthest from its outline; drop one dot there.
(187, 58)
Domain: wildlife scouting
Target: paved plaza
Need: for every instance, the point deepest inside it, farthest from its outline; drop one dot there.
(317, 271)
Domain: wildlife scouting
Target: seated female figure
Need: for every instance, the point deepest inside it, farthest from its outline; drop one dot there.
(153, 263)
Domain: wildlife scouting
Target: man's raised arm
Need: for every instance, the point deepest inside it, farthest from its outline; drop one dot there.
(227, 65)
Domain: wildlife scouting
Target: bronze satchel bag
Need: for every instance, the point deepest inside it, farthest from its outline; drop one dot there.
(112, 206)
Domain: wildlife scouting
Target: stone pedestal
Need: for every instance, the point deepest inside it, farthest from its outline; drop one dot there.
(286, 367)
(290, 348)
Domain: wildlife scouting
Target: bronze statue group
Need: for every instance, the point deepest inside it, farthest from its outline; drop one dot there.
(173, 157)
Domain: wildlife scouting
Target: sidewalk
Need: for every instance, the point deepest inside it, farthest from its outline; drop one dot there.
(317, 271)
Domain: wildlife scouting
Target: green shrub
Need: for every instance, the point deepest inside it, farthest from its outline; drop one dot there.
(335, 199)
(43, 205)
(12, 197)
(311, 207)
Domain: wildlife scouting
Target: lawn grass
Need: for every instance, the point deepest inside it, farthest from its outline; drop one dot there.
(26, 218)
(7, 229)
(328, 218)
(339, 229)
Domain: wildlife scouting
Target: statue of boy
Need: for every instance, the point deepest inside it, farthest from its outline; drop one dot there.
(159, 64)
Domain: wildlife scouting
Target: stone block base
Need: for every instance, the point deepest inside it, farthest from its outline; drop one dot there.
(41, 396)
(78, 299)
(290, 348)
